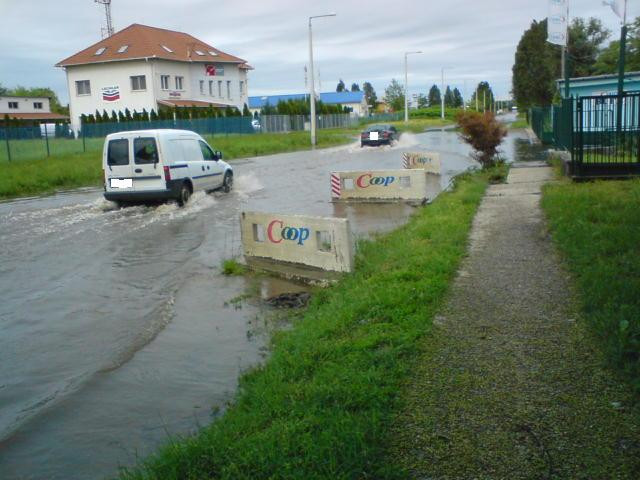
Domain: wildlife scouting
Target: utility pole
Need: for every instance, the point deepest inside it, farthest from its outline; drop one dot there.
(621, 61)
(406, 86)
(484, 100)
(312, 90)
(477, 97)
(442, 96)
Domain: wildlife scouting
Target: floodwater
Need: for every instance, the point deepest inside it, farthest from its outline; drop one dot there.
(117, 329)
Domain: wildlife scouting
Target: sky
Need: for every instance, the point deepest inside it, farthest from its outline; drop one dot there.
(473, 40)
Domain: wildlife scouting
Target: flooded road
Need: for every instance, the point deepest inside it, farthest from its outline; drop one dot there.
(117, 329)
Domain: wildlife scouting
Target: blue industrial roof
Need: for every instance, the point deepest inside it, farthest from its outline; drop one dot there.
(330, 98)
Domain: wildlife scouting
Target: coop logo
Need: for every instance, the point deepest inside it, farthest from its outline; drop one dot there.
(366, 180)
(277, 232)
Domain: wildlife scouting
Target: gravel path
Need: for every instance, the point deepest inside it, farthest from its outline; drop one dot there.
(510, 385)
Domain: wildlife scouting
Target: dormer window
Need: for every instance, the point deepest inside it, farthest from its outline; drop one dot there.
(167, 48)
(199, 52)
(100, 51)
(123, 48)
(212, 53)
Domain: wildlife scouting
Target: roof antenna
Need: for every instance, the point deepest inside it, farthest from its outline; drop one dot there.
(106, 32)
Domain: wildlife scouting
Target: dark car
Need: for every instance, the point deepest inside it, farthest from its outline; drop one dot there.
(378, 134)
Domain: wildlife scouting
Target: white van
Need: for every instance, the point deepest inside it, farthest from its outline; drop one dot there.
(152, 165)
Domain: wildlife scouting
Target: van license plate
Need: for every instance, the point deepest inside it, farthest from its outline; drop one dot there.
(373, 135)
(121, 183)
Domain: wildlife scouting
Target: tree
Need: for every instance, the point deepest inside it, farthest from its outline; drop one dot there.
(434, 96)
(535, 69)
(114, 117)
(607, 59)
(423, 101)
(585, 41)
(537, 62)
(245, 111)
(448, 97)
(121, 117)
(127, 115)
(340, 87)
(355, 87)
(3, 90)
(370, 95)
(394, 95)
(458, 101)
(484, 133)
(485, 96)
(153, 116)
(105, 116)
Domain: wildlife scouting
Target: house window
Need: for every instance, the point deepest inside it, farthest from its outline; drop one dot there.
(229, 89)
(241, 89)
(13, 105)
(219, 70)
(179, 81)
(201, 87)
(83, 87)
(220, 88)
(164, 82)
(211, 87)
(138, 82)
(37, 105)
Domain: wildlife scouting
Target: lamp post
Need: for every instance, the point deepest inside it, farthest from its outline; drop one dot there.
(406, 86)
(312, 90)
(442, 97)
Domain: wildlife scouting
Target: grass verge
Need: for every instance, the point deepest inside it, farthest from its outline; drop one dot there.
(596, 226)
(320, 406)
(520, 122)
(233, 267)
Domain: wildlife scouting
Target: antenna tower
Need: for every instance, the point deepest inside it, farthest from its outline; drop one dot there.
(108, 31)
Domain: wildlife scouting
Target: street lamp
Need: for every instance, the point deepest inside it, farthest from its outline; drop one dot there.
(442, 97)
(312, 90)
(406, 86)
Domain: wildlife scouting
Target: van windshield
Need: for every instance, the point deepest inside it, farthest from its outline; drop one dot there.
(118, 152)
(145, 150)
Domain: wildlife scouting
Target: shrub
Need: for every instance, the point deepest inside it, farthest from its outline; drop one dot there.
(484, 133)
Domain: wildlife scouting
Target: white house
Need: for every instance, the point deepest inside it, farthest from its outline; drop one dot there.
(142, 67)
(37, 109)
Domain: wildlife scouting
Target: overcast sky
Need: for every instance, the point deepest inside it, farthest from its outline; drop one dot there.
(473, 40)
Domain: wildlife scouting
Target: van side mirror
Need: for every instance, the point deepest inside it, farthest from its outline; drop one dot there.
(218, 154)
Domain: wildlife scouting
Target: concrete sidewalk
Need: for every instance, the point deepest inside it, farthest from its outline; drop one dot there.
(509, 385)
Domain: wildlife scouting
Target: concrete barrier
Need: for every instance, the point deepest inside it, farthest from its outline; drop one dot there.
(378, 185)
(427, 161)
(324, 243)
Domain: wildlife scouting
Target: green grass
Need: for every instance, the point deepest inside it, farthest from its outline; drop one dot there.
(320, 406)
(233, 267)
(32, 177)
(520, 122)
(597, 228)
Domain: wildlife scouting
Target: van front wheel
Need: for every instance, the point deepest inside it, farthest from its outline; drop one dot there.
(227, 183)
(185, 193)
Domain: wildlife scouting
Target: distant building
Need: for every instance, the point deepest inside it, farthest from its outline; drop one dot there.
(600, 84)
(142, 67)
(354, 100)
(35, 109)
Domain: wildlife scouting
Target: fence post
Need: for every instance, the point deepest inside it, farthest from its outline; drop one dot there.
(6, 137)
(84, 145)
(46, 139)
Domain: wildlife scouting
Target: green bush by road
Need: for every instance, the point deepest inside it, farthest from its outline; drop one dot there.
(320, 406)
(596, 226)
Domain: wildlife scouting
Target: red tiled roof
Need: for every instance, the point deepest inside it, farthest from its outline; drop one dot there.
(189, 103)
(144, 41)
(35, 116)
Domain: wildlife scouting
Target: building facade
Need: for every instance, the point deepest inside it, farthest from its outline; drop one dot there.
(147, 68)
(600, 85)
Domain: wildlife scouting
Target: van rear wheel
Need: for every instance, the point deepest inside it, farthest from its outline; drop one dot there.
(185, 194)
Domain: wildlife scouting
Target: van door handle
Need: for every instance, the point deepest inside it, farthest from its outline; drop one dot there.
(203, 168)
(138, 170)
